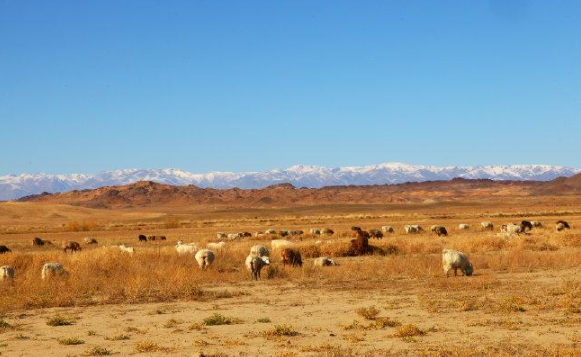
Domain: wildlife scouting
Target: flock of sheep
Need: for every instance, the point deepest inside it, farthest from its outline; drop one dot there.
(259, 255)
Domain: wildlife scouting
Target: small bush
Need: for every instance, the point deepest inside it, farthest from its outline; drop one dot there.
(71, 341)
(280, 330)
(120, 337)
(4, 325)
(98, 351)
(369, 313)
(409, 331)
(148, 346)
(59, 321)
(263, 320)
(383, 322)
(218, 319)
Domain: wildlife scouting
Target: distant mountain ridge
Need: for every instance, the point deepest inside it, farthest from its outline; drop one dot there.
(16, 186)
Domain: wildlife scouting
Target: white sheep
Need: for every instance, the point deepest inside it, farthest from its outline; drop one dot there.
(90, 240)
(414, 228)
(126, 249)
(259, 251)
(52, 270)
(511, 228)
(221, 235)
(315, 231)
(387, 229)
(216, 246)
(453, 259)
(182, 248)
(463, 226)
(6, 272)
(487, 225)
(324, 262)
(254, 264)
(280, 243)
(270, 231)
(205, 258)
(234, 236)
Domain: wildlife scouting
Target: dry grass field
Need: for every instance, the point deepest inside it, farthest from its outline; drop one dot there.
(524, 298)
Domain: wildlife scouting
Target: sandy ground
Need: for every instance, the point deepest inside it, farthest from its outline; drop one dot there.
(319, 313)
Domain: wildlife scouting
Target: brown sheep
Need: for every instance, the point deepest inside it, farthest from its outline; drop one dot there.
(291, 256)
(360, 245)
(40, 242)
(565, 224)
(375, 233)
(72, 246)
(4, 249)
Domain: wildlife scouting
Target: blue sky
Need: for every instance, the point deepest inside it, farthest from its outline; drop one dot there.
(87, 86)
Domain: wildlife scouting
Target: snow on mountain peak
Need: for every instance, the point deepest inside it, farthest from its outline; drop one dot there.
(16, 186)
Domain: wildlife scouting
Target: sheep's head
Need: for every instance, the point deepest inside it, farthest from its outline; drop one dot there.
(266, 260)
(469, 269)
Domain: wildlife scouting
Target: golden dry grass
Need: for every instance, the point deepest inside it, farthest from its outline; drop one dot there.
(410, 266)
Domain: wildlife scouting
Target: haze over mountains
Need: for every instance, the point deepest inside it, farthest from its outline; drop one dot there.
(16, 186)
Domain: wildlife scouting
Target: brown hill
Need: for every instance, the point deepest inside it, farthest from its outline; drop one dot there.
(150, 194)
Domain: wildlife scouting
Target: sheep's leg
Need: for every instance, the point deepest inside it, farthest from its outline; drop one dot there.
(455, 271)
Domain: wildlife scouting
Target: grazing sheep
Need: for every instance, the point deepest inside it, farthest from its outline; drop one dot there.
(6, 272)
(511, 228)
(280, 243)
(259, 234)
(255, 264)
(186, 248)
(270, 231)
(413, 229)
(291, 256)
(162, 237)
(221, 235)
(560, 227)
(563, 225)
(363, 234)
(233, 236)
(463, 227)
(328, 231)
(324, 262)
(283, 233)
(245, 234)
(441, 231)
(355, 228)
(53, 270)
(315, 231)
(526, 226)
(151, 237)
(128, 250)
(90, 240)
(375, 233)
(4, 249)
(537, 224)
(142, 238)
(453, 259)
(40, 242)
(487, 225)
(205, 258)
(259, 251)
(296, 232)
(216, 246)
(360, 246)
(387, 229)
(72, 246)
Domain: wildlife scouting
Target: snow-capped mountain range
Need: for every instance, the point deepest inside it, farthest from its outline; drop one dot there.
(16, 186)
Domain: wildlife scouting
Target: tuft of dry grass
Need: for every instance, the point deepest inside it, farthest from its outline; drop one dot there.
(369, 313)
(279, 331)
(70, 341)
(409, 331)
(60, 321)
(218, 319)
(98, 351)
(149, 346)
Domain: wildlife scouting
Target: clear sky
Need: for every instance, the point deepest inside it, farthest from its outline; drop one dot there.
(87, 86)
